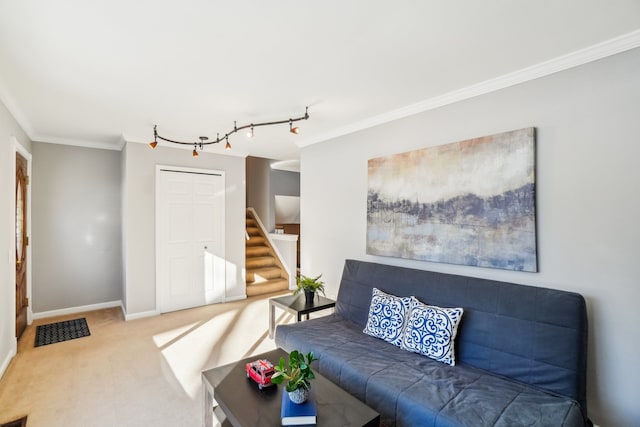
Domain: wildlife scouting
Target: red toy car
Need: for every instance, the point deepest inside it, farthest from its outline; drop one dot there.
(260, 371)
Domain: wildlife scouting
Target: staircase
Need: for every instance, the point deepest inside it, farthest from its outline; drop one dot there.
(265, 273)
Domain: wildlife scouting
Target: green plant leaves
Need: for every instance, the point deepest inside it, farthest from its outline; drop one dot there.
(309, 283)
(297, 374)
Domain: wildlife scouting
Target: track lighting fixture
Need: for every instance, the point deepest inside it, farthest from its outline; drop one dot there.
(295, 130)
(205, 140)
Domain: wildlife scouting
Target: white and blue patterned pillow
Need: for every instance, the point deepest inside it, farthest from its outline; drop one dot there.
(431, 331)
(387, 316)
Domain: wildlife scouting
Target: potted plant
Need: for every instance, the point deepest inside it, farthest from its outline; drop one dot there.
(297, 375)
(309, 285)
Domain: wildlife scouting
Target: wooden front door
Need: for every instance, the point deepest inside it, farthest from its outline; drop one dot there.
(21, 244)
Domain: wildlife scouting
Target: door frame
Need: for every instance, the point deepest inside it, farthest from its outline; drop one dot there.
(19, 149)
(181, 169)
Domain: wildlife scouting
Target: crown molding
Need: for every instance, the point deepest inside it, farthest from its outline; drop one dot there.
(16, 112)
(79, 143)
(592, 53)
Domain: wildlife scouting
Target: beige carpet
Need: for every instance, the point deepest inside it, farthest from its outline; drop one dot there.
(144, 372)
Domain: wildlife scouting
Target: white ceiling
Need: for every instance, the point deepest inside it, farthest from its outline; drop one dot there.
(94, 72)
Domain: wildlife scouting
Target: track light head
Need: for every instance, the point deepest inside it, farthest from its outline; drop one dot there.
(153, 143)
(227, 145)
(195, 151)
(250, 134)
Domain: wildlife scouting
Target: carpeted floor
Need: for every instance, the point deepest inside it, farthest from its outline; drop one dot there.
(144, 372)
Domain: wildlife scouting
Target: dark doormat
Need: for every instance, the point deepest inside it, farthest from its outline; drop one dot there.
(22, 422)
(61, 331)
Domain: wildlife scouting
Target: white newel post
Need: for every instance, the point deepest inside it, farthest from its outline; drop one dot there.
(287, 246)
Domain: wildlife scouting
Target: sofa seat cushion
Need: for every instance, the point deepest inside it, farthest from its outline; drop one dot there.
(409, 389)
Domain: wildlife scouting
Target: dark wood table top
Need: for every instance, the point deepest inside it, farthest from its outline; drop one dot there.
(246, 405)
(297, 303)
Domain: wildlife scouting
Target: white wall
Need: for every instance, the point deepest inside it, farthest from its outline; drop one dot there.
(139, 220)
(588, 203)
(9, 131)
(76, 227)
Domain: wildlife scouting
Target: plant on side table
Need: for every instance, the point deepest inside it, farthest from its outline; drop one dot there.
(310, 285)
(297, 375)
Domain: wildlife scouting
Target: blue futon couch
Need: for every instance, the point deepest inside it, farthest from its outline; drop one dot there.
(521, 352)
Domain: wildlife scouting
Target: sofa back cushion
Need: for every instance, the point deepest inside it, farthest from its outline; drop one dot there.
(534, 335)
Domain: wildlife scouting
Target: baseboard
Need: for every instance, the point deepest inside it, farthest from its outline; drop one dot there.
(140, 315)
(236, 298)
(10, 356)
(80, 309)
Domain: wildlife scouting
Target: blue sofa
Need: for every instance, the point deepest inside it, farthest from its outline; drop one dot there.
(521, 352)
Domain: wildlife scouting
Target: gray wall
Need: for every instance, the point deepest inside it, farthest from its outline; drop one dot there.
(258, 184)
(283, 183)
(76, 230)
(588, 203)
(9, 129)
(139, 220)
(263, 183)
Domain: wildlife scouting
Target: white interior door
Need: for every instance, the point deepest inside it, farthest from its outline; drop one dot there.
(190, 262)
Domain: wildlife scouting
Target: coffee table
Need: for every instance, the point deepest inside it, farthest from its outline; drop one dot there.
(242, 404)
(297, 305)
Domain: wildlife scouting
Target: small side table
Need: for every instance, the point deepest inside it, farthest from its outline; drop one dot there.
(295, 304)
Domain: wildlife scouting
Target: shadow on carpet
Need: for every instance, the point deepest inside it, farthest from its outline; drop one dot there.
(61, 331)
(22, 422)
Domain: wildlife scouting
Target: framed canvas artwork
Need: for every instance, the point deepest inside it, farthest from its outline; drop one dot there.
(470, 202)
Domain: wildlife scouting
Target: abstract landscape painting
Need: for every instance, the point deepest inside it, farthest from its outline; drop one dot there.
(470, 202)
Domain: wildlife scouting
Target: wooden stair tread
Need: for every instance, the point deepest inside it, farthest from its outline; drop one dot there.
(255, 241)
(267, 287)
(261, 262)
(263, 273)
(256, 251)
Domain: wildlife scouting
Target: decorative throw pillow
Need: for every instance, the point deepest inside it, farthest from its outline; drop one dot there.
(387, 316)
(431, 331)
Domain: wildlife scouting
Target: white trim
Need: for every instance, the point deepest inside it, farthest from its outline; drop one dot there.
(79, 309)
(182, 169)
(79, 143)
(236, 298)
(27, 155)
(561, 63)
(7, 360)
(141, 314)
(19, 149)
